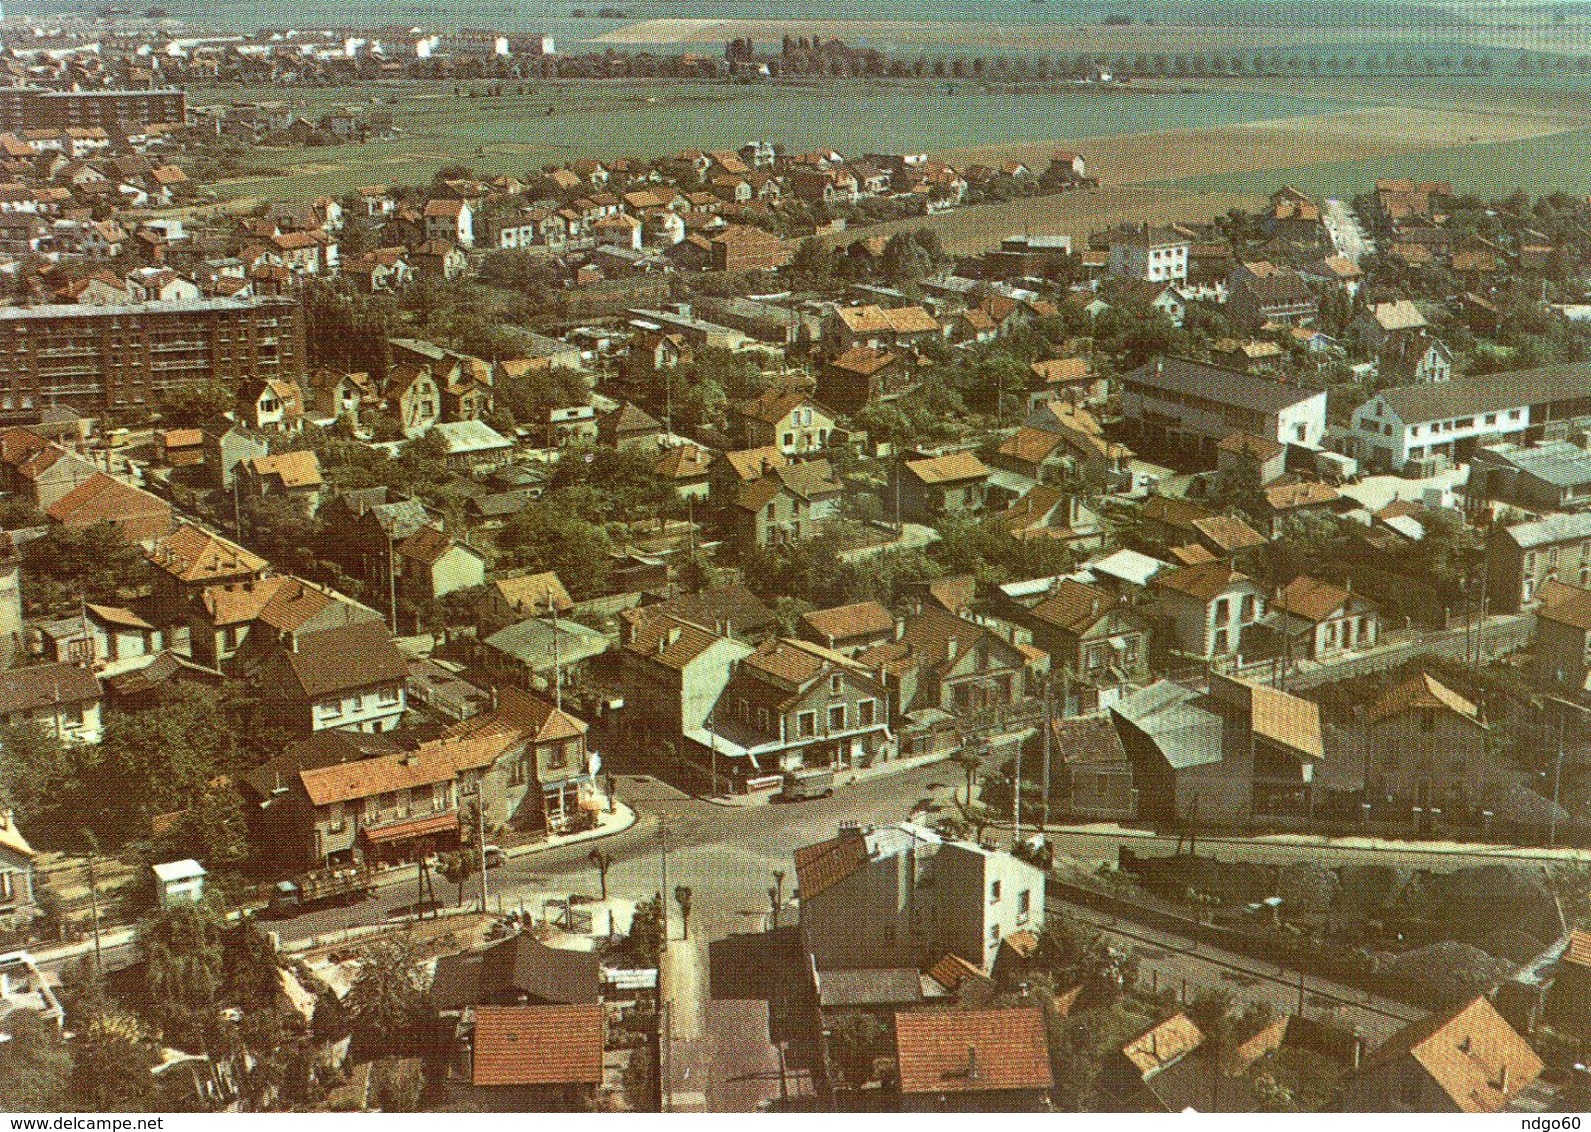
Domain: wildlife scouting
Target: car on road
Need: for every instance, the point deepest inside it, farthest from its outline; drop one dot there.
(800, 785)
(495, 856)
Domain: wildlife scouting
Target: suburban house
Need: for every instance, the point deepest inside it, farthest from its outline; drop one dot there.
(1154, 255)
(1318, 620)
(1562, 647)
(291, 475)
(1374, 327)
(1415, 359)
(951, 484)
(1091, 635)
(1209, 608)
(1449, 420)
(673, 673)
(1096, 782)
(1186, 404)
(519, 970)
(973, 1061)
(1523, 557)
(63, 700)
(533, 1059)
(787, 505)
(1426, 753)
(937, 660)
(902, 895)
(1263, 294)
(432, 565)
(17, 904)
(1466, 1060)
(791, 704)
(791, 422)
(348, 677)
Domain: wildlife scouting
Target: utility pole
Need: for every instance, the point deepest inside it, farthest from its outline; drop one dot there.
(93, 896)
(662, 891)
(392, 582)
(1049, 730)
(712, 745)
(557, 665)
(1016, 802)
(480, 837)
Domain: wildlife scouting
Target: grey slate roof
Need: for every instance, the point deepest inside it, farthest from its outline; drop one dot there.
(882, 986)
(1185, 734)
(1552, 529)
(1487, 393)
(1558, 462)
(1227, 386)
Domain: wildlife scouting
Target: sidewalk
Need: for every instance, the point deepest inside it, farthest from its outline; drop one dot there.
(842, 778)
(622, 818)
(1316, 841)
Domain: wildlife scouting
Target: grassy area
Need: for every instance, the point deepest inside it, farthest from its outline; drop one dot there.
(561, 121)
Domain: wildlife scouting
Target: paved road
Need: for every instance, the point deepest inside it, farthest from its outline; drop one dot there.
(1171, 961)
(1349, 239)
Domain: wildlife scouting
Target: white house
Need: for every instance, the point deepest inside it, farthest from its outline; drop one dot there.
(1450, 419)
(1155, 255)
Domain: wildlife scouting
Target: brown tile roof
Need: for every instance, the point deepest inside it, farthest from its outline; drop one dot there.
(1304, 493)
(954, 594)
(347, 657)
(294, 469)
(1205, 582)
(669, 641)
(787, 662)
(949, 469)
(538, 1045)
(1192, 555)
(1161, 1045)
(1173, 512)
(192, 554)
(1472, 1054)
(775, 404)
(1073, 606)
(1578, 951)
(540, 721)
(951, 971)
(101, 499)
(530, 593)
(1565, 604)
(966, 1051)
(1423, 693)
(843, 622)
(822, 866)
(426, 545)
(862, 360)
(1286, 719)
(1030, 445)
(1061, 371)
(1229, 533)
(752, 463)
(43, 685)
(688, 461)
(1311, 598)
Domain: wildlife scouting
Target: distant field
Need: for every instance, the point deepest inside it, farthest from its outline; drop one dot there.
(515, 133)
(980, 227)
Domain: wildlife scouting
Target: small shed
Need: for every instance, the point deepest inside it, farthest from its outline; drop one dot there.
(179, 882)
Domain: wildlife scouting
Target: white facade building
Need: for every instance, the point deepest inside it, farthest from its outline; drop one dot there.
(1155, 255)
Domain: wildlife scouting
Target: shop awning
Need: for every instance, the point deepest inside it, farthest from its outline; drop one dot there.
(419, 827)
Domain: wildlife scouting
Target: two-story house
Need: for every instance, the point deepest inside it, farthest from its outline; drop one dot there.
(62, 700)
(902, 895)
(348, 677)
(432, 564)
(672, 672)
(1208, 608)
(787, 505)
(790, 421)
(452, 221)
(1318, 620)
(1523, 557)
(791, 704)
(1561, 651)
(1095, 638)
(17, 902)
(942, 661)
(1154, 255)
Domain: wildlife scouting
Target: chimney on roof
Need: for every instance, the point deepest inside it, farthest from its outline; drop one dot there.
(972, 1063)
(900, 628)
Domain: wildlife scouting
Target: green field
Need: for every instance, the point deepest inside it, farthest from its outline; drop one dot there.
(515, 133)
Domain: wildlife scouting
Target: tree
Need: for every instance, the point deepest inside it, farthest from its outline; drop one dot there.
(682, 897)
(970, 763)
(111, 1057)
(184, 971)
(66, 566)
(457, 868)
(387, 1001)
(548, 537)
(35, 1066)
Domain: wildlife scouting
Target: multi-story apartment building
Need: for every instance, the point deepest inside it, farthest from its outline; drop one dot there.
(31, 108)
(1194, 405)
(102, 357)
(1155, 255)
(1522, 557)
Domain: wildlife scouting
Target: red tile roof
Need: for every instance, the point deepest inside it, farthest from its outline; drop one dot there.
(965, 1051)
(538, 1045)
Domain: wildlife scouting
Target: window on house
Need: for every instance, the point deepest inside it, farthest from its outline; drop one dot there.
(836, 684)
(335, 818)
(994, 934)
(8, 887)
(762, 719)
(994, 892)
(1248, 608)
(1223, 609)
(743, 709)
(519, 770)
(439, 796)
(1220, 641)
(1428, 721)
(1024, 905)
(864, 713)
(1095, 657)
(789, 439)
(807, 723)
(387, 696)
(837, 717)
